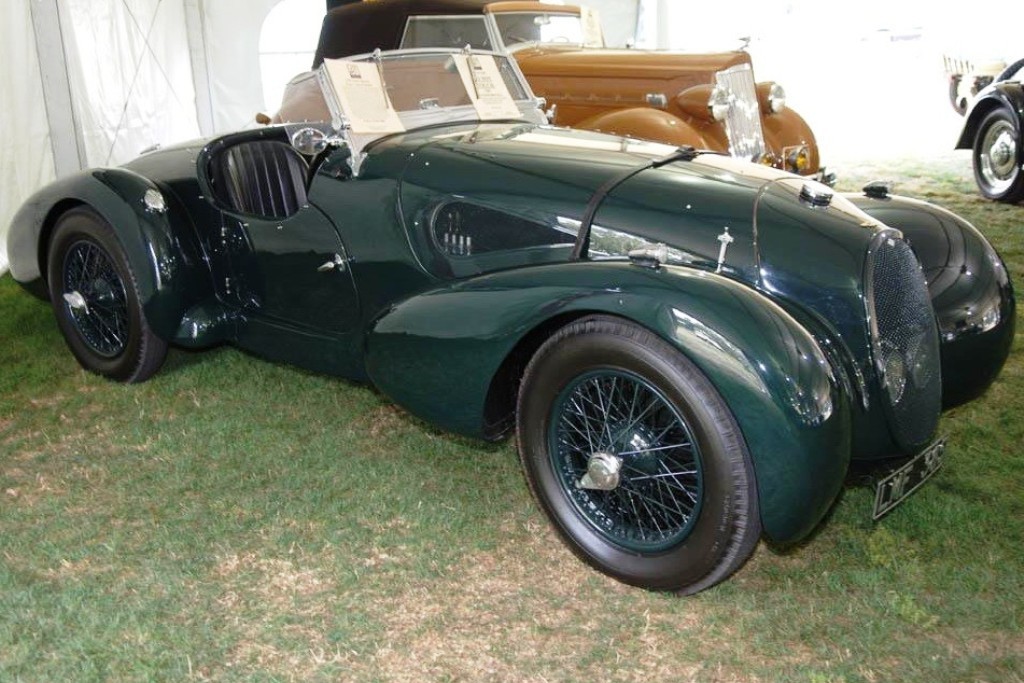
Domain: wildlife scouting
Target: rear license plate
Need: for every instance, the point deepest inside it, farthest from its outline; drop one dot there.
(897, 485)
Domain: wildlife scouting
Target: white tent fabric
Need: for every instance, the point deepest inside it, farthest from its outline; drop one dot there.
(26, 159)
(131, 76)
(130, 87)
(232, 37)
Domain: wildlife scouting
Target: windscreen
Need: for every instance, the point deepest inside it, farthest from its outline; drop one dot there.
(425, 81)
(517, 28)
(455, 31)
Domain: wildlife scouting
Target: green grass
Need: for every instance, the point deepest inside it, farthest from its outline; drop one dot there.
(233, 519)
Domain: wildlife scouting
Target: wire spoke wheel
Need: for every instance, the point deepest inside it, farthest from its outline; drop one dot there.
(636, 458)
(616, 420)
(95, 298)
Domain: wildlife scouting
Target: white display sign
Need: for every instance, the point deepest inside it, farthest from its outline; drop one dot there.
(486, 87)
(360, 92)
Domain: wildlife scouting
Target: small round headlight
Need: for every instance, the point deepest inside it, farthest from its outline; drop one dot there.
(894, 372)
(719, 103)
(776, 98)
(798, 159)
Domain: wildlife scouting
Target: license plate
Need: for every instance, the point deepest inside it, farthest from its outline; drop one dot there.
(900, 483)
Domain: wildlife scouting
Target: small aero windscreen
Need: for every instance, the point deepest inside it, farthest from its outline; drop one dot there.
(425, 81)
(418, 81)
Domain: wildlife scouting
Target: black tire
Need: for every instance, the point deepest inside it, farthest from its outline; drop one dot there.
(95, 297)
(679, 517)
(997, 157)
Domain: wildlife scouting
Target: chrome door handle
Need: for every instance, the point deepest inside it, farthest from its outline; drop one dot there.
(337, 262)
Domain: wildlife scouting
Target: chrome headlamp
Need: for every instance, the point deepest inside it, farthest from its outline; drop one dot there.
(719, 103)
(776, 98)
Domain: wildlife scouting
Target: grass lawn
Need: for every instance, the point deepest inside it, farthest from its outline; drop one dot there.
(233, 519)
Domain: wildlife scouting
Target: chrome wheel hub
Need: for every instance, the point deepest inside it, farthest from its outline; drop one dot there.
(1002, 149)
(998, 159)
(76, 301)
(602, 472)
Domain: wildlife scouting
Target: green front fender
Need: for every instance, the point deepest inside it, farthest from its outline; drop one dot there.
(160, 245)
(441, 353)
(969, 286)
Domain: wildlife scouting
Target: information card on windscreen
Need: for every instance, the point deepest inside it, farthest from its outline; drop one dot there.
(361, 95)
(592, 34)
(486, 87)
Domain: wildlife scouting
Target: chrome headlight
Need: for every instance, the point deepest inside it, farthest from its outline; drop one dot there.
(719, 103)
(776, 98)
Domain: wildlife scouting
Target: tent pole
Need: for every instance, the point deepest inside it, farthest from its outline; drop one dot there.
(69, 154)
(196, 30)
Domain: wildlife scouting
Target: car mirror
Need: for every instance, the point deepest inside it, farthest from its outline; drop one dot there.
(311, 141)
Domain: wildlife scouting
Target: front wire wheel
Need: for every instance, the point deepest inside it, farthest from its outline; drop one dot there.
(997, 159)
(627, 459)
(635, 458)
(95, 297)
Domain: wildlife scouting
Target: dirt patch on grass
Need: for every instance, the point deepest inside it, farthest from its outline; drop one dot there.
(494, 617)
(524, 611)
(47, 402)
(279, 606)
(276, 582)
(386, 419)
(22, 488)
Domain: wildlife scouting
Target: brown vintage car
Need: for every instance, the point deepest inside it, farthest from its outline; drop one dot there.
(708, 101)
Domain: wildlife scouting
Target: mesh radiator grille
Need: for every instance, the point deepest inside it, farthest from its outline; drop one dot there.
(905, 340)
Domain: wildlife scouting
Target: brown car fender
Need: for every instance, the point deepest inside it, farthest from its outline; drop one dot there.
(645, 123)
(787, 130)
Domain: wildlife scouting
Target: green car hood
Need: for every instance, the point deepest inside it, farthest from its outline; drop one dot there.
(550, 175)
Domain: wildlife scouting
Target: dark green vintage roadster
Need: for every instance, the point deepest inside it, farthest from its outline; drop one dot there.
(690, 349)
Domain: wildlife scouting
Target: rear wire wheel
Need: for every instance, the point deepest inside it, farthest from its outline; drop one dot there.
(635, 458)
(95, 297)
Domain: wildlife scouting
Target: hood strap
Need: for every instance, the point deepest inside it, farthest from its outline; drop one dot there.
(582, 245)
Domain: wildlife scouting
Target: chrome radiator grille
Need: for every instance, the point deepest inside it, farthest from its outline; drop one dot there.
(743, 122)
(905, 340)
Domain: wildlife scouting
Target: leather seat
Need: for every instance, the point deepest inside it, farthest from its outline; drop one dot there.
(262, 178)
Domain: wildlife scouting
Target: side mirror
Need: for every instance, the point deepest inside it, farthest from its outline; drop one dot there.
(310, 141)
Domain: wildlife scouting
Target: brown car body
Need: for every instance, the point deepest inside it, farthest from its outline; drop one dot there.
(655, 95)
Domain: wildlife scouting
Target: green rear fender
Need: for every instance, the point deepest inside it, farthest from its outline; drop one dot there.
(454, 357)
(160, 245)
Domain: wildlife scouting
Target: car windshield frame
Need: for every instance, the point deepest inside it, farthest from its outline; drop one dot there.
(430, 111)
